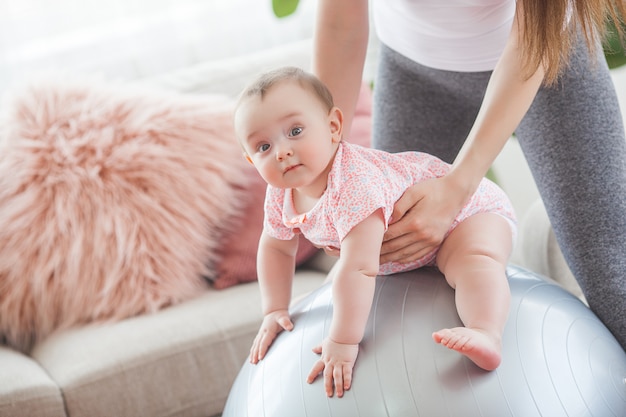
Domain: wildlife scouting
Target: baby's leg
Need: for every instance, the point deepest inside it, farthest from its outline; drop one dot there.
(473, 259)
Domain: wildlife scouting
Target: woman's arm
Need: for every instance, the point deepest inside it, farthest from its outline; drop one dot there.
(425, 212)
(353, 290)
(508, 96)
(340, 46)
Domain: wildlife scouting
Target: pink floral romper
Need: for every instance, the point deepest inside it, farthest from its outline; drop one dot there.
(361, 181)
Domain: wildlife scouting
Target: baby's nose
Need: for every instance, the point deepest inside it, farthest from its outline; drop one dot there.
(283, 152)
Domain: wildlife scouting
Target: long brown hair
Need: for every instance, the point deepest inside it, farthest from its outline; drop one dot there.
(547, 41)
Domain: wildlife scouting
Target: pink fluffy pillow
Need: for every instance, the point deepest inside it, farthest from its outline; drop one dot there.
(238, 263)
(112, 203)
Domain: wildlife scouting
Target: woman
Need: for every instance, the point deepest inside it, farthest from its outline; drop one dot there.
(456, 79)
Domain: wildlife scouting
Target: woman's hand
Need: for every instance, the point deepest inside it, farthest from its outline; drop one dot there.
(421, 218)
(273, 323)
(336, 361)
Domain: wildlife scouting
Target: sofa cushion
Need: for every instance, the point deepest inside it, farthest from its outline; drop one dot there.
(26, 389)
(179, 361)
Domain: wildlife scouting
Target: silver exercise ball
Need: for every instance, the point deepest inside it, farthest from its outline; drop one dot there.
(558, 359)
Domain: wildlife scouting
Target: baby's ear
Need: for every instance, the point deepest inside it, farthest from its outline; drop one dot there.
(245, 155)
(336, 123)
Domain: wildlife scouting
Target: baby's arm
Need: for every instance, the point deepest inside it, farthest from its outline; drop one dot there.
(275, 269)
(353, 290)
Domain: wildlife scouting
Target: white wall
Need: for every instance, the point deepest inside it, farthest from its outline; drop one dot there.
(129, 39)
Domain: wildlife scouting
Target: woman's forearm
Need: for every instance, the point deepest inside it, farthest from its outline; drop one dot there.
(507, 99)
(340, 46)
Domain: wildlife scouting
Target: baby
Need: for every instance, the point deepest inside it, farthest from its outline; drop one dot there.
(341, 196)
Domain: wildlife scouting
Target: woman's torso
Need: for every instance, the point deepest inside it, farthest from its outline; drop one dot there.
(455, 35)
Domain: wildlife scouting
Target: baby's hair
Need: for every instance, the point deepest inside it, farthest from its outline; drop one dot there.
(269, 79)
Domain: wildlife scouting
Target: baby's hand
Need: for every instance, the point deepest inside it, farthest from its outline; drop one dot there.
(273, 323)
(337, 361)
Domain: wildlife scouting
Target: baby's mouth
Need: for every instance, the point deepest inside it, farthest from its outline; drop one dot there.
(291, 167)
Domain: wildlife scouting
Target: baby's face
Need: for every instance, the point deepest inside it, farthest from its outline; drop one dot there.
(288, 135)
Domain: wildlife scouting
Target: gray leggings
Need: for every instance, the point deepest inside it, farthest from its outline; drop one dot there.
(572, 138)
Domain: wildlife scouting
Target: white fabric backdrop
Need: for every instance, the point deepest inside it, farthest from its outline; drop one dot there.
(127, 39)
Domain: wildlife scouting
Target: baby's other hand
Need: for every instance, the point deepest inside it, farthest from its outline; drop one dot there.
(336, 361)
(273, 323)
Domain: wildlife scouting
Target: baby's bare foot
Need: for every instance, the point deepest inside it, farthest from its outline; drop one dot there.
(480, 347)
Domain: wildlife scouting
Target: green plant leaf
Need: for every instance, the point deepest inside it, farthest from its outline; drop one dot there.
(283, 8)
(614, 50)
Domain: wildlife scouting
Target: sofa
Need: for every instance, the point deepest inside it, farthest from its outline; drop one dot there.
(182, 359)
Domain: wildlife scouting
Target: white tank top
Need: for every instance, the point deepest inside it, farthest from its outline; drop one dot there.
(454, 35)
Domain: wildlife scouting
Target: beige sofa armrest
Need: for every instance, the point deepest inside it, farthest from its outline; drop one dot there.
(26, 389)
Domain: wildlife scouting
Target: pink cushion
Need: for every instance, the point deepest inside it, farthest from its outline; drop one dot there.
(113, 203)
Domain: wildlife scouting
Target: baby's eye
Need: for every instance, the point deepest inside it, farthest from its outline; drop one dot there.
(295, 131)
(264, 147)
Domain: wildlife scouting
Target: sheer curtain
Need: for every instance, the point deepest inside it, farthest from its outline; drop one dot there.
(126, 39)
